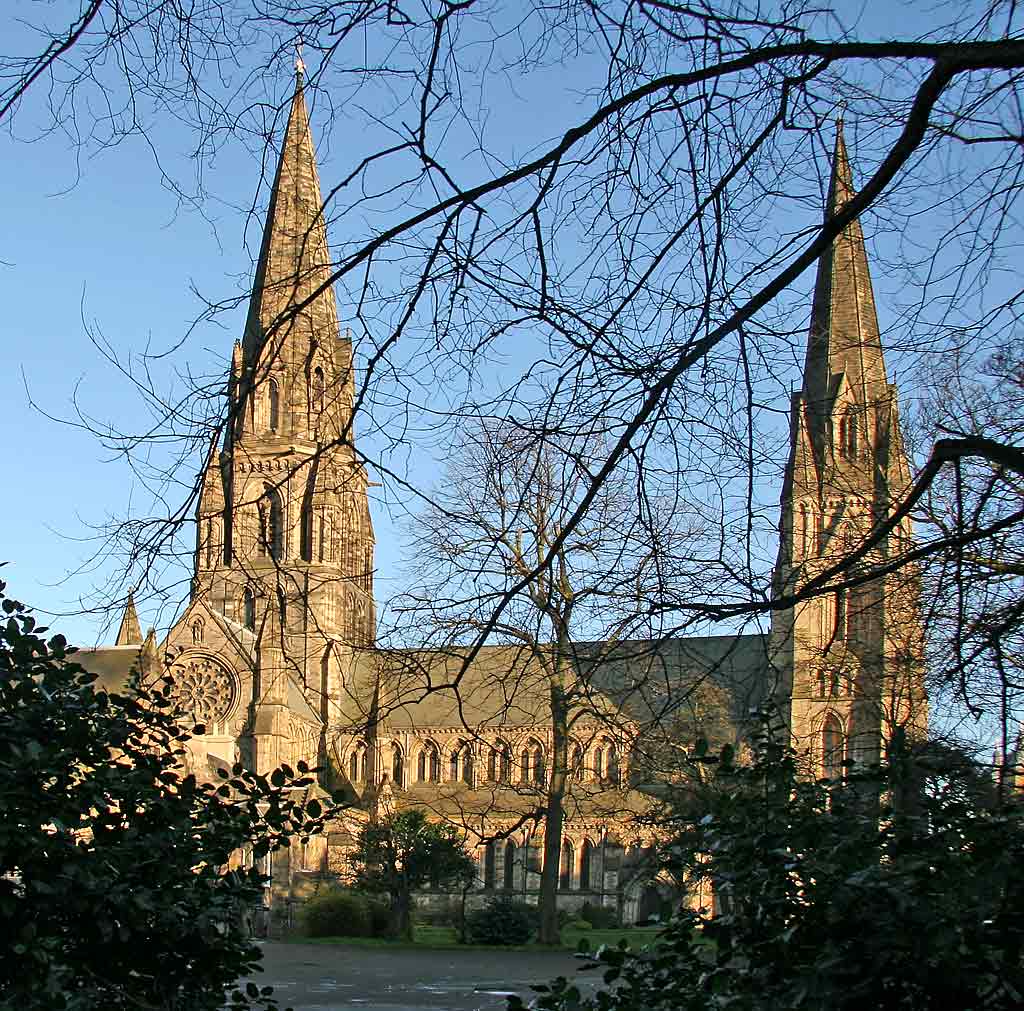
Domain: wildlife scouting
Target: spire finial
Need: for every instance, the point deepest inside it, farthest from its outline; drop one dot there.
(300, 66)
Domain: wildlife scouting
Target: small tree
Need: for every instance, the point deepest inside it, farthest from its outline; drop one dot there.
(119, 884)
(404, 852)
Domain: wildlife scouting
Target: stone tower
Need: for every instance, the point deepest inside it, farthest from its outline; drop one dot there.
(849, 661)
(284, 552)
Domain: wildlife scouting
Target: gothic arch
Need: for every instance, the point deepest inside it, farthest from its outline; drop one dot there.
(248, 609)
(461, 763)
(273, 405)
(397, 764)
(832, 746)
(359, 763)
(272, 533)
(428, 763)
(499, 762)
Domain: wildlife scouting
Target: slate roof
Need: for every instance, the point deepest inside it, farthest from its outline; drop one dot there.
(506, 686)
(113, 665)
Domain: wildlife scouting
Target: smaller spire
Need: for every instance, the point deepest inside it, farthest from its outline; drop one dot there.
(130, 632)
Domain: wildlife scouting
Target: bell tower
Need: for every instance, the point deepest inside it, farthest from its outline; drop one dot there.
(283, 516)
(849, 661)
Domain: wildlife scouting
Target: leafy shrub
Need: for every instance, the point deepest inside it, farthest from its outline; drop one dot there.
(580, 924)
(340, 913)
(380, 915)
(501, 921)
(600, 917)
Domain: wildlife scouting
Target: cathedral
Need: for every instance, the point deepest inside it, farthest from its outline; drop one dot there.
(275, 652)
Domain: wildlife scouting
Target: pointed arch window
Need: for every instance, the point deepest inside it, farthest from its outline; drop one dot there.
(833, 747)
(397, 765)
(840, 624)
(586, 859)
(359, 763)
(489, 865)
(803, 531)
(273, 405)
(567, 866)
(271, 524)
(576, 763)
(249, 609)
(510, 865)
(538, 765)
(317, 391)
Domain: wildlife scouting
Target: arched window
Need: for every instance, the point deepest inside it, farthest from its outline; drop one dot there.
(359, 764)
(537, 763)
(567, 866)
(421, 767)
(598, 763)
(466, 757)
(839, 629)
(271, 524)
(803, 531)
(318, 389)
(851, 437)
(489, 867)
(499, 763)
(306, 531)
(453, 771)
(524, 766)
(493, 765)
(586, 859)
(510, 865)
(435, 765)
(611, 764)
(397, 765)
(576, 763)
(273, 405)
(832, 747)
(249, 609)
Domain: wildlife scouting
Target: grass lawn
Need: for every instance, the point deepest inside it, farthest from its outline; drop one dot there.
(446, 937)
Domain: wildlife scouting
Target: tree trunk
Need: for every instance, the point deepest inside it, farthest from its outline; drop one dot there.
(549, 932)
(401, 916)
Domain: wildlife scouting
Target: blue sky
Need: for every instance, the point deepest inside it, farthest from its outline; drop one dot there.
(95, 240)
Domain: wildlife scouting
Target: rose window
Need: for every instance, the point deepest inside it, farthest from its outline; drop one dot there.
(204, 688)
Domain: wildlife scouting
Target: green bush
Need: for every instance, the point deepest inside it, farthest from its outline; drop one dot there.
(580, 924)
(501, 921)
(600, 917)
(380, 915)
(339, 913)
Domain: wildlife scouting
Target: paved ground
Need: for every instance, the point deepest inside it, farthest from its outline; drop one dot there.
(317, 977)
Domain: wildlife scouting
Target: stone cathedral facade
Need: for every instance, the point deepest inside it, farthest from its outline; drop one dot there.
(275, 651)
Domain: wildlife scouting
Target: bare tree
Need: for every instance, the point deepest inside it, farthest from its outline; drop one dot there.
(636, 271)
(502, 505)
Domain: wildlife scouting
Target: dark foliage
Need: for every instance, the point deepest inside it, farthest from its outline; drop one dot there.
(502, 921)
(896, 888)
(403, 853)
(117, 887)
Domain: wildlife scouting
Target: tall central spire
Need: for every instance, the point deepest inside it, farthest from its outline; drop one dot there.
(844, 338)
(294, 258)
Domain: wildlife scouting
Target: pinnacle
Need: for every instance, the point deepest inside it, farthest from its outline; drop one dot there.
(130, 632)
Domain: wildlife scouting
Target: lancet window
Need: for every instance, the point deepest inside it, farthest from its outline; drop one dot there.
(832, 747)
(586, 861)
(317, 390)
(249, 609)
(273, 405)
(271, 523)
(567, 866)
